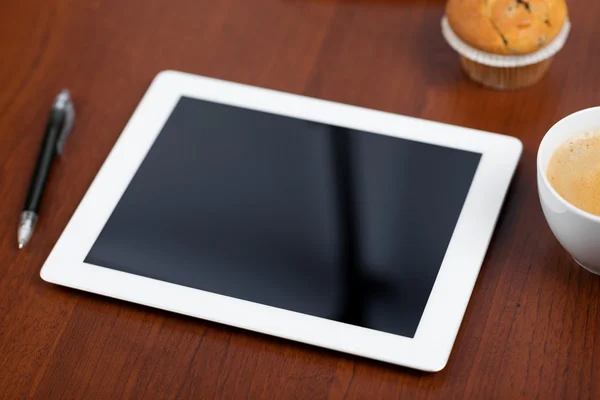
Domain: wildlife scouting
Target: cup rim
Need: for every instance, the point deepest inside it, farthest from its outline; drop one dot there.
(542, 172)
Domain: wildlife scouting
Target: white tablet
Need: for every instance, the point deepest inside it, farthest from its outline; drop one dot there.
(328, 224)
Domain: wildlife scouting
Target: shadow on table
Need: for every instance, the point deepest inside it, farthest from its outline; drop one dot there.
(108, 308)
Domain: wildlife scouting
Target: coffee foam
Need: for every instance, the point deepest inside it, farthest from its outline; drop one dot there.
(574, 171)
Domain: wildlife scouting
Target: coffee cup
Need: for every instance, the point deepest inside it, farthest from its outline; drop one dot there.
(577, 231)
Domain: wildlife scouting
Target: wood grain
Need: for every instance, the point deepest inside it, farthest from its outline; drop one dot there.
(532, 328)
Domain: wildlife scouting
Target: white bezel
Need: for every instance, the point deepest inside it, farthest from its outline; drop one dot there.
(428, 350)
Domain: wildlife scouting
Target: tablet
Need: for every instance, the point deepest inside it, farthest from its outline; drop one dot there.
(337, 226)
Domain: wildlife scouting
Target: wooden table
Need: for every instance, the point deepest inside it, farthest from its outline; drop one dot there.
(532, 328)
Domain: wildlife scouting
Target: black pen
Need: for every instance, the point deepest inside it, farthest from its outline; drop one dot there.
(58, 128)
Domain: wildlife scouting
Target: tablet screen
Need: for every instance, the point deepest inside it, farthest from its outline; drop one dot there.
(323, 220)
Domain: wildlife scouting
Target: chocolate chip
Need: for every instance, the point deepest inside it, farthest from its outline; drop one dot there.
(524, 3)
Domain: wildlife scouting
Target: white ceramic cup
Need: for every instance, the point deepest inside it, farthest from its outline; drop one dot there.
(577, 231)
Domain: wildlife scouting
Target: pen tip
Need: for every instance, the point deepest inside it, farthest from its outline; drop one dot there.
(20, 246)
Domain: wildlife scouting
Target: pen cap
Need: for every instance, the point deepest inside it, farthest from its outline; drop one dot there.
(63, 101)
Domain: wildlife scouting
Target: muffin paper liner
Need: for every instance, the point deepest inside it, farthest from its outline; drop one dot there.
(505, 61)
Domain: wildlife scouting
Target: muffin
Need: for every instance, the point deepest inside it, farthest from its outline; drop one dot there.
(506, 44)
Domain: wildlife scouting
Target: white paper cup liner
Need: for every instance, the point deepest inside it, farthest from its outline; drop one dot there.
(505, 61)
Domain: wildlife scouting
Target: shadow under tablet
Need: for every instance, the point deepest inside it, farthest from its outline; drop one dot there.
(318, 219)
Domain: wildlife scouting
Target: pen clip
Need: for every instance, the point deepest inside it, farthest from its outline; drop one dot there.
(63, 101)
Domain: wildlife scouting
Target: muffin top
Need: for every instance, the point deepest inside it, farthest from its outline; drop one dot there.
(507, 26)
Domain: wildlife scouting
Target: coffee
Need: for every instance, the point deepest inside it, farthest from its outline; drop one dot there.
(574, 171)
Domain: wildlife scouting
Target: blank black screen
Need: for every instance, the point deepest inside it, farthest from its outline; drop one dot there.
(322, 220)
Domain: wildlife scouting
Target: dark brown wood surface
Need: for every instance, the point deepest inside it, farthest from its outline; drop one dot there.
(532, 328)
